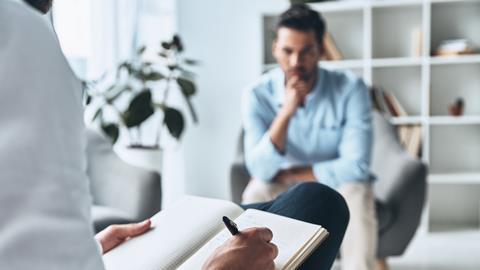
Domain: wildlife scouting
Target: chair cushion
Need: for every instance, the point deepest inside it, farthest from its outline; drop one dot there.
(104, 216)
(384, 216)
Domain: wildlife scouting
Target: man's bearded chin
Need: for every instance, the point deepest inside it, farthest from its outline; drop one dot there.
(41, 5)
(302, 73)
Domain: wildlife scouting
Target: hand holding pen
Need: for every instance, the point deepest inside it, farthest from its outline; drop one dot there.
(231, 226)
(249, 249)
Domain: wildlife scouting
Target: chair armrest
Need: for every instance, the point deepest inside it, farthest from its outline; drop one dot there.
(397, 175)
(133, 190)
(239, 178)
(401, 186)
(119, 185)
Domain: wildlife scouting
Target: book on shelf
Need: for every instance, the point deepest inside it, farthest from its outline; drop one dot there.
(394, 105)
(405, 135)
(417, 42)
(410, 136)
(415, 141)
(331, 51)
(187, 233)
(452, 47)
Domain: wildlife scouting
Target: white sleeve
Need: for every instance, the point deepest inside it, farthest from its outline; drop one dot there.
(44, 196)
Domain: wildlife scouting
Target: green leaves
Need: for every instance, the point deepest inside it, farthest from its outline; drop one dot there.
(115, 92)
(153, 76)
(191, 62)
(125, 65)
(166, 45)
(88, 100)
(141, 50)
(98, 114)
(163, 71)
(187, 86)
(175, 44)
(174, 121)
(112, 131)
(188, 90)
(139, 110)
(163, 55)
(146, 76)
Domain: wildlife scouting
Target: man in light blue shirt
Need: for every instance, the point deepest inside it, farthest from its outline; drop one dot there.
(303, 123)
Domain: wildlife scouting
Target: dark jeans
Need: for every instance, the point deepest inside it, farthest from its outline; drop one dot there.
(318, 204)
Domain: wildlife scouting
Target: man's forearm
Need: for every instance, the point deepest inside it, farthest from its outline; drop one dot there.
(279, 129)
(303, 174)
(295, 175)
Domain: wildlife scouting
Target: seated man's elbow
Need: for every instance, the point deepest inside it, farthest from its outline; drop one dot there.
(361, 171)
(261, 174)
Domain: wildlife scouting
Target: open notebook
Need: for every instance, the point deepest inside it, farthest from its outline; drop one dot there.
(185, 234)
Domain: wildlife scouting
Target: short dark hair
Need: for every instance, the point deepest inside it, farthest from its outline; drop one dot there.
(41, 5)
(302, 18)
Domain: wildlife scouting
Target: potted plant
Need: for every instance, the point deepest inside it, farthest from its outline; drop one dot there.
(139, 93)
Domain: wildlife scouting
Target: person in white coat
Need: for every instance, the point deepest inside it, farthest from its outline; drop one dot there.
(44, 195)
(45, 221)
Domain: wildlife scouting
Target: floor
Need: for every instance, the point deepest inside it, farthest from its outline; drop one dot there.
(451, 250)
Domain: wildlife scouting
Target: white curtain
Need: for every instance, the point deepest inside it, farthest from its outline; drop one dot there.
(114, 28)
(119, 27)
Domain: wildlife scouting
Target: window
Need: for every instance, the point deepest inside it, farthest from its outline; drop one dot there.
(71, 20)
(96, 35)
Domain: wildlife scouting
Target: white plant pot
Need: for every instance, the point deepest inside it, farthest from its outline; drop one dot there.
(150, 159)
(171, 169)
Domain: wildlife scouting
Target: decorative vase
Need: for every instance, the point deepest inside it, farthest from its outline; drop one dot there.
(150, 159)
(169, 163)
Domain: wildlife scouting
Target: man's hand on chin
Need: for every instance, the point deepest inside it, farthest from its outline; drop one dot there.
(114, 235)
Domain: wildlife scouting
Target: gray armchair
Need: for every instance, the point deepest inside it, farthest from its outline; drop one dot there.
(121, 193)
(399, 190)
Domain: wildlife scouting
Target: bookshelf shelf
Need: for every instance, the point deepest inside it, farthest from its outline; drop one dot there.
(339, 6)
(451, 1)
(459, 178)
(396, 3)
(397, 62)
(408, 120)
(453, 120)
(392, 44)
(446, 60)
(343, 64)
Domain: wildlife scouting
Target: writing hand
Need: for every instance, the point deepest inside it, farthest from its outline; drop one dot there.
(251, 249)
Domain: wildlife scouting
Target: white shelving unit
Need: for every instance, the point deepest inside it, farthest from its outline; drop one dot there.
(377, 41)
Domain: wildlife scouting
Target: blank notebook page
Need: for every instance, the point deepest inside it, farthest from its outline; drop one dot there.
(289, 235)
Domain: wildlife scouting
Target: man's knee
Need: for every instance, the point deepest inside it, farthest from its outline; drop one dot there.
(258, 191)
(326, 198)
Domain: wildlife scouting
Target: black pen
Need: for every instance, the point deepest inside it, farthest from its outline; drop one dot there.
(231, 226)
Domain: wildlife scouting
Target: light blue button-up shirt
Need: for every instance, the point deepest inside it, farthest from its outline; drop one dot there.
(332, 132)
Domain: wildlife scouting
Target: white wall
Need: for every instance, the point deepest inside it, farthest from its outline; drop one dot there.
(225, 35)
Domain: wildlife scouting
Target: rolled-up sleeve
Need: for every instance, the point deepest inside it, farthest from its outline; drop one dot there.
(262, 158)
(353, 163)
